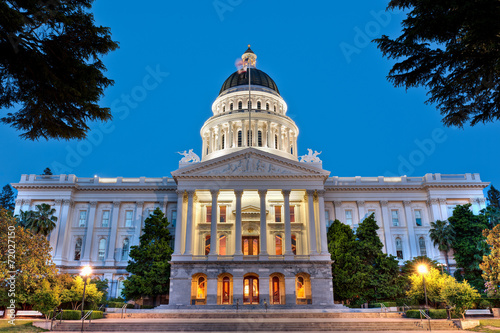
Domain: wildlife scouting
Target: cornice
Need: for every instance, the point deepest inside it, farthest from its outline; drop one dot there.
(375, 187)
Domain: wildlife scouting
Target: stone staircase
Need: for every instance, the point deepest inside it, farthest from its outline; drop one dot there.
(256, 322)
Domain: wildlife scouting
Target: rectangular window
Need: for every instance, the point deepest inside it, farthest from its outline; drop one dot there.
(105, 218)
(418, 218)
(209, 214)
(83, 218)
(348, 217)
(207, 245)
(294, 244)
(222, 245)
(327, 216)
(292, 213)
(395, 218)
(174, 218)
(277, 213)
(222, 213)
(128, 218)
(279, 245)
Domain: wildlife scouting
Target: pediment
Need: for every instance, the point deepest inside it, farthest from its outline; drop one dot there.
(250, 163)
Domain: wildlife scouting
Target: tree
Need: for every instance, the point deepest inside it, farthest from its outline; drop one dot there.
(42, 221)
(7, 198)
(47, 172)
(442, 234)
(74, 294)
(102, 286)
(469, 244)
(32, 264)
(461, 296)
(492, 211)
(46, 299)
(149, 262)
(435, 282)
(493, 197)
(451, 48)
(491, 262)
(50, 67)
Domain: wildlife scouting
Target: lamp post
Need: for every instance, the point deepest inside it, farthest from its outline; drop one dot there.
(422, 269)
(86, 271)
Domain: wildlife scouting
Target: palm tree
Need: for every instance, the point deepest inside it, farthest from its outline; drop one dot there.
(25, 218)
(442, 234)
(40, 221)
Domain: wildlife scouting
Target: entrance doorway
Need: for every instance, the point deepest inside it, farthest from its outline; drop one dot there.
(250, 245)
(251, 290)
(276, 290)
(225, 290)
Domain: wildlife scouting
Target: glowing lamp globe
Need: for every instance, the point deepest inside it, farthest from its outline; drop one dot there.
(422, 269)
(86, 271)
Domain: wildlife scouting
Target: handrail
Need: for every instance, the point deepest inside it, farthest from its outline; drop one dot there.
(59, 312)
(87, 315)
(405, 306)
(100, 308)
(422, 313)
(124, 308)
(383, 308)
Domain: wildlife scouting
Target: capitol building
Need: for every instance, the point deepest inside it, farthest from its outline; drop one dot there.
(250, 216)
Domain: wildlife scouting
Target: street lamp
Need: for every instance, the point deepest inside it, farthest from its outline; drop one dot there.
(86, 271)
(422, 269)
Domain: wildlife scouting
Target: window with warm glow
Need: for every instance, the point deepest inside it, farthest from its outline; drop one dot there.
(292, 213)
(279, 245)
(200, 293)
(301, 288)
(222, 245)
(222, 213)
(277, 213)
(209, 214)
(294, 244)
(207, 245)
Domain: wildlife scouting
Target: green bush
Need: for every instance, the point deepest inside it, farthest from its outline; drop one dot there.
(147, 307)
(377, 305)
(494, 302)
(76, 315)
(433, 313)
(112, 304)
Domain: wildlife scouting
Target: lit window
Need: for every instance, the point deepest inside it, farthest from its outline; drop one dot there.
(292, 213)
(258, 105)
(279, 245)
(395, 217)
(222, 213)
(348, 217)
(83, 218)
(174, 217)
(294, 244)
(225, 290)
(207, 245)
(418, 218)
(399, 248)
(78, 249)
(125, 248)
(421, 244)
(240, 139)
(301, 288)
(259, 138)
(277, 213)
(200, 293)
(105, 218)
(209, 214)
(240, 105)
(222, 245)
(102, 248)
(128, 218)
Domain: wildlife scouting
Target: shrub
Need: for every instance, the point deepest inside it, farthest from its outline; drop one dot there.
(433, 313)
(76, 315)
(147, 307)
(112, 304)
(377, 305)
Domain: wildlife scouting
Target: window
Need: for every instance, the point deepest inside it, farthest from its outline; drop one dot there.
(125, 248)
(348, 217)
(418, 218)
(276, 141)
(223, 140)
(209, 214)
(259, 138)
(292, 213)
(200, 292)
(279, 245)
(105, 218)
(267, 106)
(128, 218)
(120, 288)
(78, 249)
(240, 139)
(224, 108)
(250, 245)
(83, 218)
(275, 108)
(102, 249)
(258, 105)
(294, 244)
(240, 105)
(225, 290)
(174, 218)
(450, 210)
(301, 288)
(371, 211)
(222, 210)
(207, 245)
(421, 244)
(231, 107)
(249, 137)
(291, 150)
(395, 218)
(277, 213)
(249, 106)
(222, 245)
(399, 248)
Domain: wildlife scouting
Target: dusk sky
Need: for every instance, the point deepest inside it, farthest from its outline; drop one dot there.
(175, 55)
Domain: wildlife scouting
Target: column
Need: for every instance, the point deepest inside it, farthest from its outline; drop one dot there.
(138, 222)
(434, 208)
(230, 135)
(178, 224)
(290, 297)
(263, 224)
(19, 206)
(189, 224)
(338, 210)
(312, 223)
(237, 233)
(270, 140)
(288, 226)
(387, 227)
(55, 233)
(63, 221)
(361, 210)
(322, 222)
(110, 255)
(288, 140)
(411, 230)
(444, 210)
(213, 224)
(280, 138)
(204, 146)
(255, 135)
(219, 138)
(244, 133)
(89, 234)
(211, 288)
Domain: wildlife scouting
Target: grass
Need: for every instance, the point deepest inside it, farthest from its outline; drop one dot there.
(486, 324)
(20, 326)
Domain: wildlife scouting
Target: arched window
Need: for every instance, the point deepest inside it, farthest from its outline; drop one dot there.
(102, 249)
(258, 105)
(224, 108)
(120, 288)
(249, 106)
(249, 137)
(291, 150)
(201, 290)
(240, 105)
(275, 108)
(78, 249)
(231, 107)
(294, 244)
(276, 141)
(259, 138)
(267, 106)
(207, 245)
(226, 291)
(223, 140)
(240, 139)
(222, 245)
(399, 248)
(125, 248)
(421, 244)
(279, 245)
(301, 287)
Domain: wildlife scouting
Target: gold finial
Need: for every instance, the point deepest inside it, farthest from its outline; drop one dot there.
(248, 45)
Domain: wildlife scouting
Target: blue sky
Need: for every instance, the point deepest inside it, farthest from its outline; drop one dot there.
(175, 55)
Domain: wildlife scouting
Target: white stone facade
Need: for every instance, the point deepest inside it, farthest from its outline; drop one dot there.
(269, 212)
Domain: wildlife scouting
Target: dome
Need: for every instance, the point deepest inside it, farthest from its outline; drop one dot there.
(259, 78)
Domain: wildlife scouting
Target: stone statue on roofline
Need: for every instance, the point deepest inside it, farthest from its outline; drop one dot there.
(310, 157)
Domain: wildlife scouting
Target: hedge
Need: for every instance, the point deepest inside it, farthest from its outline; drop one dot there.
(77, 315)
(377, 305)
(433, 313)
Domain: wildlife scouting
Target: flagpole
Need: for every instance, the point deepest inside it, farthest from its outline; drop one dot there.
(250, 135)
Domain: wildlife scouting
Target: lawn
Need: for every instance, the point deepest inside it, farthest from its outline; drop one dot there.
(20, 326)
(488, 326)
